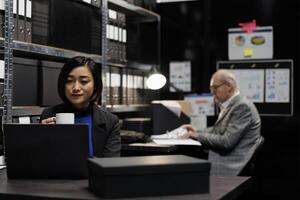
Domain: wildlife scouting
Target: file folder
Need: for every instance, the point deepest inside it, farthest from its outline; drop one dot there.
(115, 86)
(27, 21)
(124, 87)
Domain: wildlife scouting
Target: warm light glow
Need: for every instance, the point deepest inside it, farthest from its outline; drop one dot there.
(156, 81)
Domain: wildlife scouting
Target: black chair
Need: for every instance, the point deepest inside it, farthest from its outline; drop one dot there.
(249, 168)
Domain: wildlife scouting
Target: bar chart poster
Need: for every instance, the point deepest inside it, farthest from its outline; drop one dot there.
(277, 85)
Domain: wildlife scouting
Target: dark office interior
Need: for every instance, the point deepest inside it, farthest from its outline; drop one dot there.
(197, 31)
(190, 30)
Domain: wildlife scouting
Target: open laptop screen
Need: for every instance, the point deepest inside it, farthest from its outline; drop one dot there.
(46, 151)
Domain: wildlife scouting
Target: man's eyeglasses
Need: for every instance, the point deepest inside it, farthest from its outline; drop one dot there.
(215, 87)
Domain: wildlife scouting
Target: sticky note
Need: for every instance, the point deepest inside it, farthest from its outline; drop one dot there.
(248, 52)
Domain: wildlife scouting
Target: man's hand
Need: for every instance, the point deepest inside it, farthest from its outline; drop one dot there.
(50, 120)
(191, 131)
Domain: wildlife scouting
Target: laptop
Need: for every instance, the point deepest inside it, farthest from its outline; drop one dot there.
(40, 151)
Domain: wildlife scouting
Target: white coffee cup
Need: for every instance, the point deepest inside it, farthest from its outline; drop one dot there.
(65, 118)
(1, 160)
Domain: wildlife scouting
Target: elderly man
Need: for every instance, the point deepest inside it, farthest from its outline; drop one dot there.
(236, 133)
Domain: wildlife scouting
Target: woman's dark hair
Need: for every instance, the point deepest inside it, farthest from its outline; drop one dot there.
(74, 62)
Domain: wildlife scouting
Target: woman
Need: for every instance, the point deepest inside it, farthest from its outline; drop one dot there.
(79, 87)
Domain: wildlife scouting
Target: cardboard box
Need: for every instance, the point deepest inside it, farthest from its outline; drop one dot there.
(148, 176)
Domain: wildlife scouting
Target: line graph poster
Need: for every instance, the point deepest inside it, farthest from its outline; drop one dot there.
(250, 83)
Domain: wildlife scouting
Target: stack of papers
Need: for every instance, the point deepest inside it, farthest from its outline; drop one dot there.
(174, 137)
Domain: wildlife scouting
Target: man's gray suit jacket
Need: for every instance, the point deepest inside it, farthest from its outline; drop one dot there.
(233, 138)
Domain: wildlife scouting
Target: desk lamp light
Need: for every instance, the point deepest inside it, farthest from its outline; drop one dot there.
(155, 79)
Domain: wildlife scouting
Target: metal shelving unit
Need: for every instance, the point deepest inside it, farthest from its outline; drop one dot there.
(11, 47)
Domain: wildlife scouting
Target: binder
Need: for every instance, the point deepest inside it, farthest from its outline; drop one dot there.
(116, 43)
(27, 20)
(123, 37)
(2, 23)
(124, 87)
(139, 82)
(15, 27)
(130, 89)
(115, 87)
(40, 21)
(1, 93)
(2, 18)
(107, 87)
(15, 20)
(110, 52)
(21, 29)
(28, 32)
(20, 20)
(96, 34)
(119, 38)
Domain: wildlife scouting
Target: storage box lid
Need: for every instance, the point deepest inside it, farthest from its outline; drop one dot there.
(148, 164)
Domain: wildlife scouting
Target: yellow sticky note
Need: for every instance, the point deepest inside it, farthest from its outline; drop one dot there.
(248, 52)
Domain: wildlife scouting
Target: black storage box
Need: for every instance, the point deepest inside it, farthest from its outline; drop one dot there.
(148, 176)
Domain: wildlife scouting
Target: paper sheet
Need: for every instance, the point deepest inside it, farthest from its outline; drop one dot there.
(177, 141)
(174, 134)
(173, 138)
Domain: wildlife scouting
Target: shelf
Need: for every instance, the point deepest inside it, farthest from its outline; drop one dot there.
(25, 110)
(127, 108)
(48, 50)
(37, 110)
(54, 51)
(116, 64)
(133, 11)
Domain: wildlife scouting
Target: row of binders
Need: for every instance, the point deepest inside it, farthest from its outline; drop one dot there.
(126, 86)
(116, 35)
(22, 10)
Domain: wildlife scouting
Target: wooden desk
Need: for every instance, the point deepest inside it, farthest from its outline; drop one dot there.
(220, 188)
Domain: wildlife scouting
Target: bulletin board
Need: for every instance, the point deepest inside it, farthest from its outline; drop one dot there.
(267, 83)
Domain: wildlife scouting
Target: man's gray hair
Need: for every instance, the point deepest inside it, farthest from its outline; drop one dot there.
(228, 77)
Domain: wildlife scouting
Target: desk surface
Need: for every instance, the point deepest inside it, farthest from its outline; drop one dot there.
(145, 149)
(220, 188)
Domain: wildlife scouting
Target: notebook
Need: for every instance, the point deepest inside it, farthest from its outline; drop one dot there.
(43, 151)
